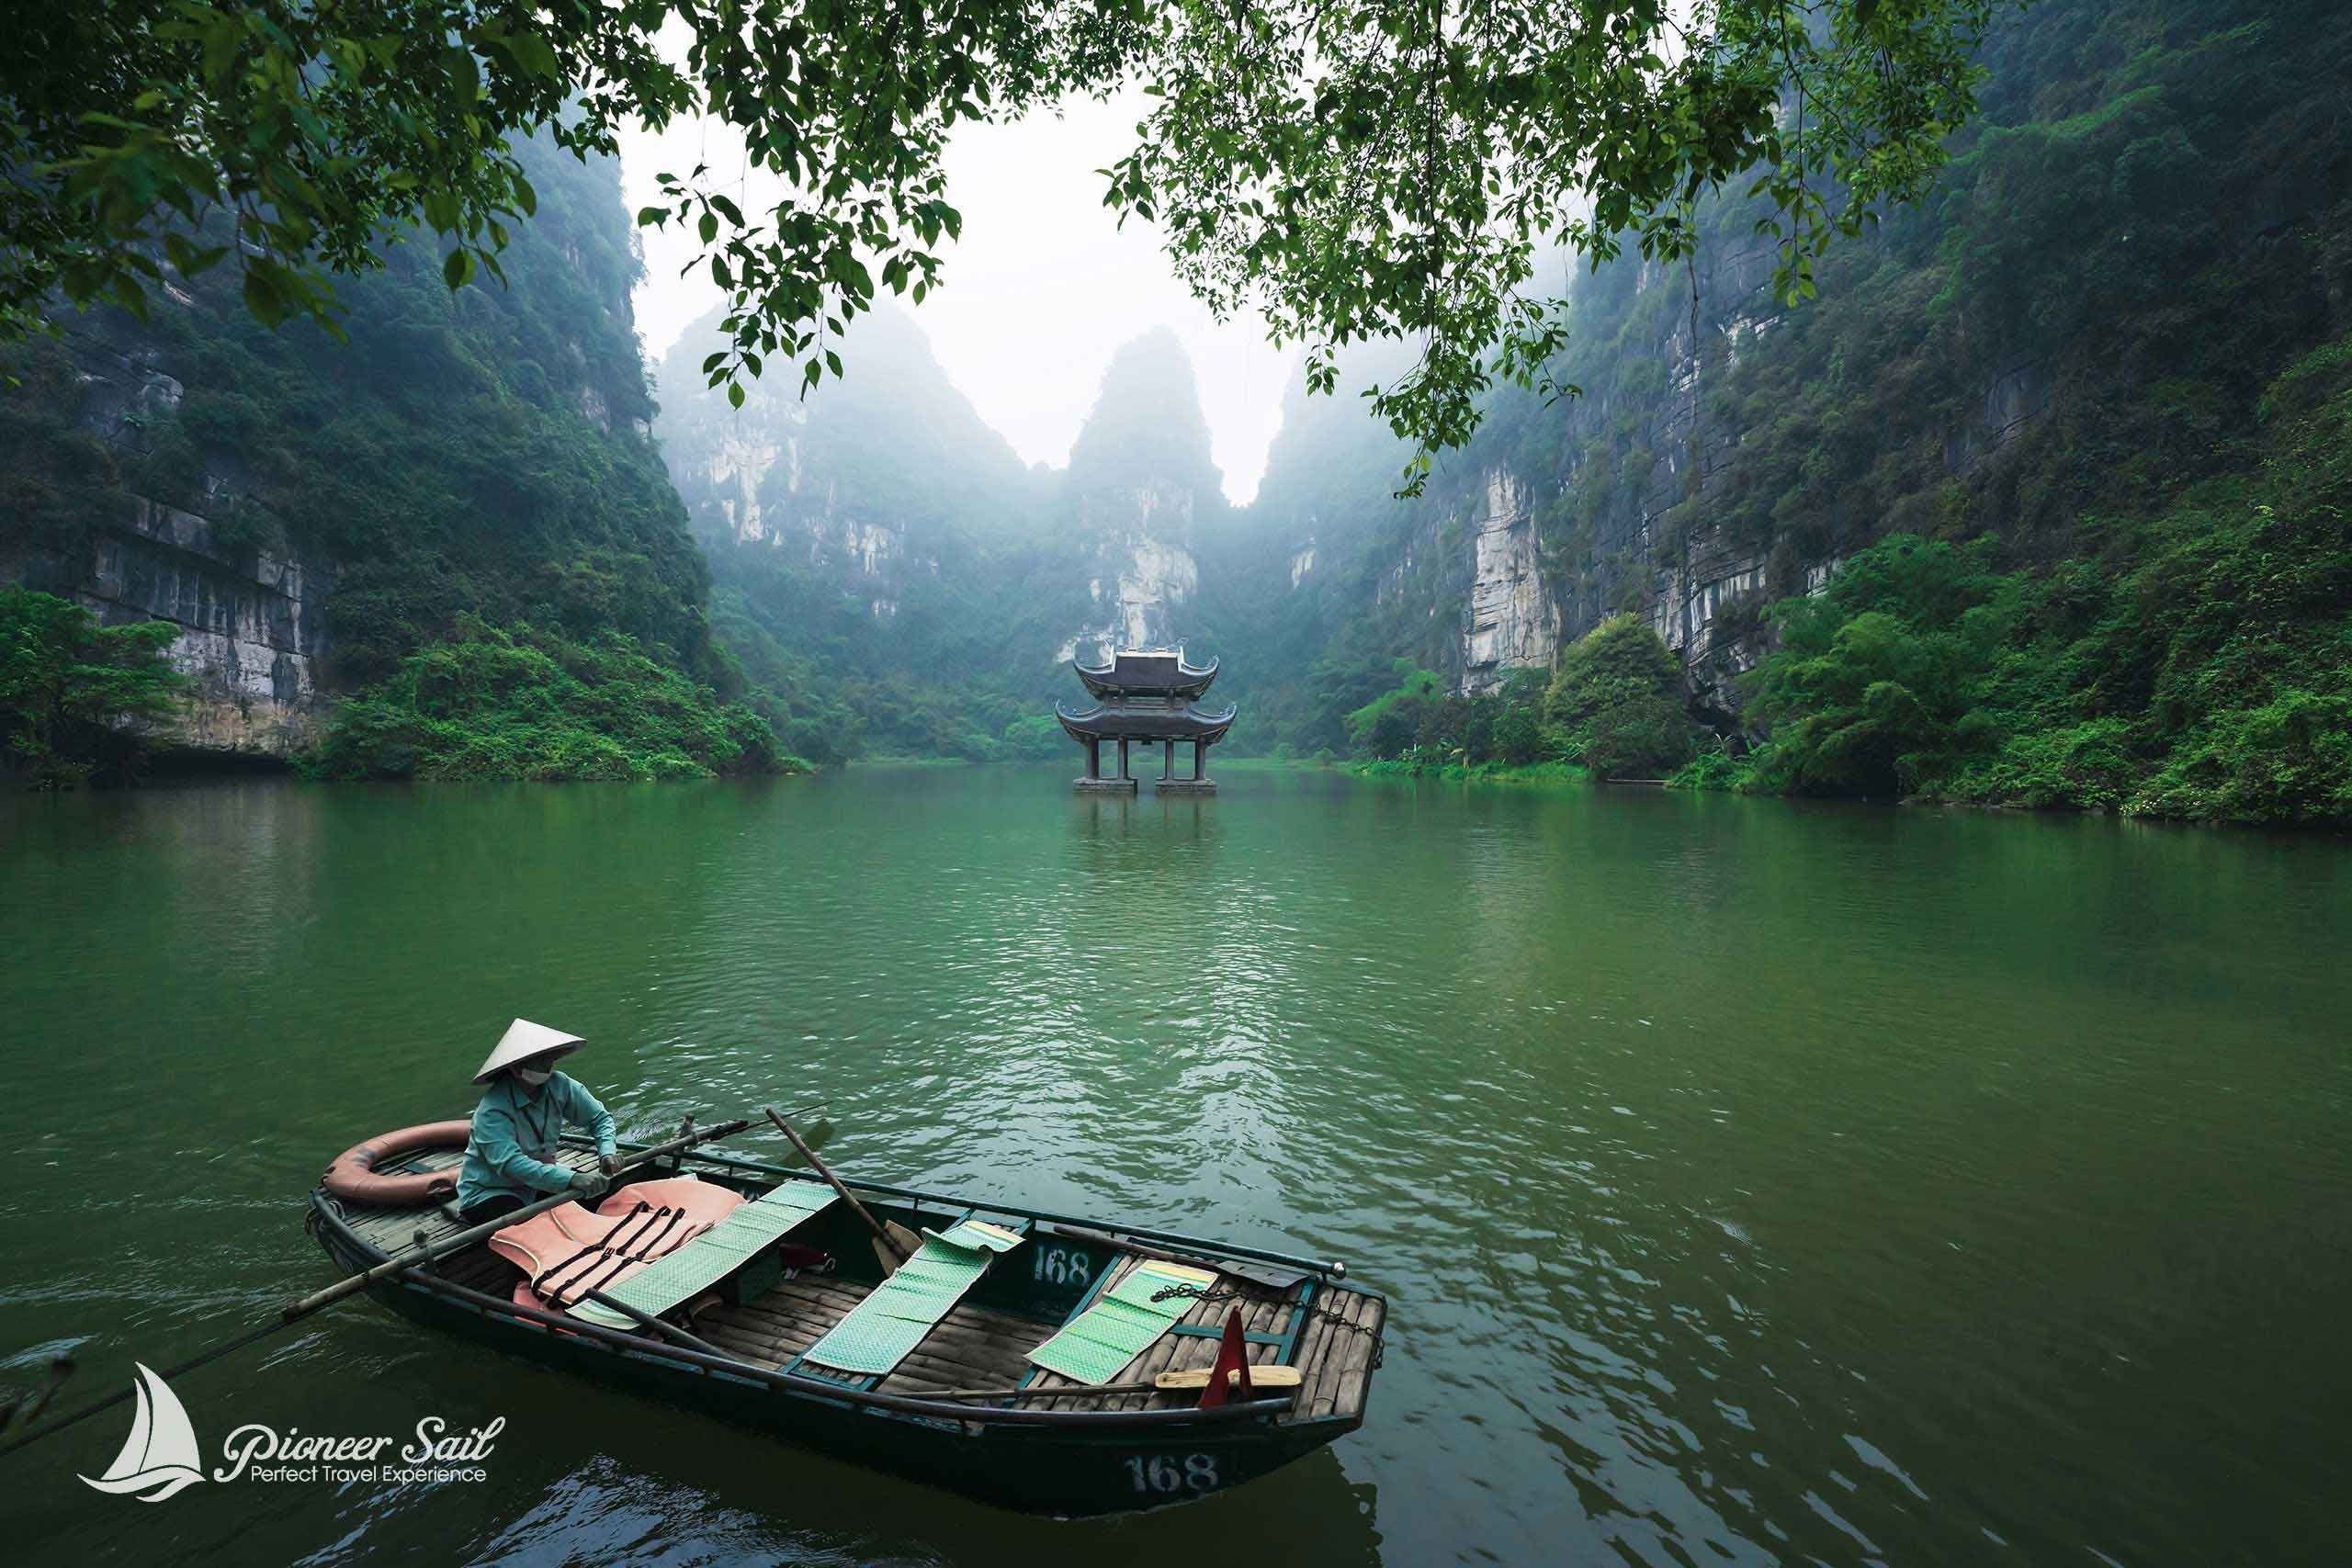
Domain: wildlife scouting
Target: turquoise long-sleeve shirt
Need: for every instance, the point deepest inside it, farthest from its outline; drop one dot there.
(512, 1146)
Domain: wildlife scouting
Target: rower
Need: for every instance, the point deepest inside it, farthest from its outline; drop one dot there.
(510, 1153)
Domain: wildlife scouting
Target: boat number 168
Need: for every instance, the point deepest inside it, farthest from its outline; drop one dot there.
(1063, 1266)
(1168, 1474)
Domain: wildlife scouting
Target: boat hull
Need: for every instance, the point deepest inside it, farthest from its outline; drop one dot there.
(1069, 1471)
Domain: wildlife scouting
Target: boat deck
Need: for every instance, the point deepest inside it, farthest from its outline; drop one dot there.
(974, 1347)
(1335, 1351)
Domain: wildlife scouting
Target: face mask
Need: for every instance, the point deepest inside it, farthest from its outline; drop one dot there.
(535, 1076)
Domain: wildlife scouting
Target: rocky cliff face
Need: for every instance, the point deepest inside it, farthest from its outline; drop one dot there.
(1138, 491)
(309, 512)
(865, 489)
(1512, 621)
(252, 621)
(252, 625)
(1140, 573)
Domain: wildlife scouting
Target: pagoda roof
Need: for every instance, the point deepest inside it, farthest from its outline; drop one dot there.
(1158, 672)
(1144, 721)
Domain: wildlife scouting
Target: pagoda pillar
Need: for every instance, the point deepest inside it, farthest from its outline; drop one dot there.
(1123, 759)
(1167, 761)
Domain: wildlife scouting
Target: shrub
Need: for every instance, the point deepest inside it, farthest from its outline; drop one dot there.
(1618, 699)
(528, 704)
(78, 701)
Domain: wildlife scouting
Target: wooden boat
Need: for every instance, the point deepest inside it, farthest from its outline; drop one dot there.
(1053, 1447)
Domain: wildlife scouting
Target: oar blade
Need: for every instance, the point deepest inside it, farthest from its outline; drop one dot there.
(1260, 1377)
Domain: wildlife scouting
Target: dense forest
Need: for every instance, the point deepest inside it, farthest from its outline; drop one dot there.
(512, 592)
(2064, 444)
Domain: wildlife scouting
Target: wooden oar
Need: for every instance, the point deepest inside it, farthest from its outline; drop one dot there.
(351, 1285)
(893, 1245)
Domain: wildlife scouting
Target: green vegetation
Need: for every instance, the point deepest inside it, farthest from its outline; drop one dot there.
(1619, 700)
(1489, 771)
(2066, 386)
(1613, 710)
(1715, 766)
(467, 461)
(2197, 664)
(528, 705)
(1415, 727)
(76, 698)
(893, 621)
(1361, 169)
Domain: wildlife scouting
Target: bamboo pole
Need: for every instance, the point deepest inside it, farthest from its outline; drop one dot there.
(344, 1289)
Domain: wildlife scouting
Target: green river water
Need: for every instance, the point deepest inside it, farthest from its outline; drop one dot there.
(1752, 1182)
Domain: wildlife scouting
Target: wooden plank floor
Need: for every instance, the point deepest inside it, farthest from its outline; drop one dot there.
(970, 1347)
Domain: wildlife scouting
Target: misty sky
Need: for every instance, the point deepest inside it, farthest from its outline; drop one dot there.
(1039, 291)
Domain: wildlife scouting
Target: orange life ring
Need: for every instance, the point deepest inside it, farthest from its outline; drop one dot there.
(353, 1178)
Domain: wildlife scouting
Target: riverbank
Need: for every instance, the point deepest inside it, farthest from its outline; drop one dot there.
(1484, 773)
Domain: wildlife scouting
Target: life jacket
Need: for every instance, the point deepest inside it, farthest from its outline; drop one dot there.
(565, 1252)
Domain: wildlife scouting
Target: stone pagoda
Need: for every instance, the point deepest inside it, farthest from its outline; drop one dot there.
(1153, 697)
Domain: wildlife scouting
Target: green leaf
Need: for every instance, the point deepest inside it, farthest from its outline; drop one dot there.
(190, 258)
(534, 54)
(735, 394)
(262, 298)
(458, 269)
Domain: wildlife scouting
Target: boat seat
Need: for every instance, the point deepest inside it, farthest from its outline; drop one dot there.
(883, 1329)
(1093, 1346)
(711, 1256)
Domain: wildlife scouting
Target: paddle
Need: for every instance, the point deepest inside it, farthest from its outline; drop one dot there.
(893, 1245)
(303, 1307)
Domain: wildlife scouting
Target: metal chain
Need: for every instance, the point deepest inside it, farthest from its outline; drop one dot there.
(1315, 1309)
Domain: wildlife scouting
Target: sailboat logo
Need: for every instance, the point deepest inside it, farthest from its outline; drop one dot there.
(159, 1457)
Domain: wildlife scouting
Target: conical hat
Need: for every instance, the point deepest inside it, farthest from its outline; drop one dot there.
(523, 1041)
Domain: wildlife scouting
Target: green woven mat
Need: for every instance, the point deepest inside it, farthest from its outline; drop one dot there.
(970, 1233)
(1094, 1344)
(713, 1254)
(880, 1330)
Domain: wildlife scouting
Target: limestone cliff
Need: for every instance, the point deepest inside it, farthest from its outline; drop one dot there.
(252, 628)
(311, 512)
(1140, 574)
(251, 619)
(1139, 487)
(865, 490)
